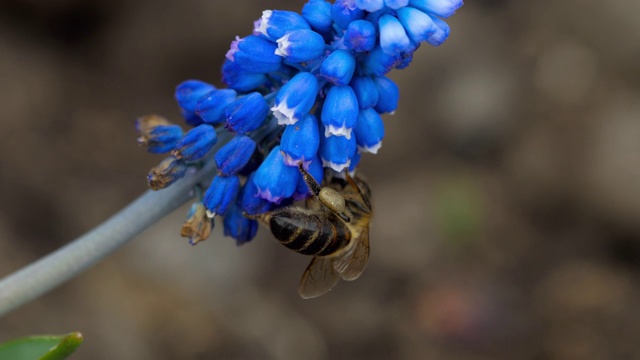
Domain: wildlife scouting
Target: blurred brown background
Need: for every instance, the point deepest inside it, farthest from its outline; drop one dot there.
(506, 195)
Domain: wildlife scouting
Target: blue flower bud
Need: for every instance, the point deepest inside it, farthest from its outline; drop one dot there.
(295, 99)
(336, 152)
(166, 173)
(393, 38)
(441, 35)
(418, 25)
(239, 227)
(377, 62)
(300, 142)
(370, 5)
(355, 161)
(389, 95)
(338, 67)
(340, 111)
(188, 93)
(241, 80)
(221, 194)
(254, 54)
(366, 91)
(196, 143)
(247, 113)
(211, 107)
(396, 4)
(157, 134)
(317, 172)
(441, 8)
(275, 180)
(198, 226)
(344, 12)
(235, 154)
(300, 45)
(318, 14)
(369, 131)
(360, 36)
(405, 60)
(275, 23)
(249, 200)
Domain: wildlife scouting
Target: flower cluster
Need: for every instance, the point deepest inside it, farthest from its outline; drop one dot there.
(304, 88)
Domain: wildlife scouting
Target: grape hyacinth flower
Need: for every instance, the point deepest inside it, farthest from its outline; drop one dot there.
(303, 92)
(306, 88)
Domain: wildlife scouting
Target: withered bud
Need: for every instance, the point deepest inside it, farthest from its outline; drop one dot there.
(166, 173)
(198, 226)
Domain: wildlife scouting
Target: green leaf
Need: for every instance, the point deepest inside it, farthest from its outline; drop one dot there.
(47, 347)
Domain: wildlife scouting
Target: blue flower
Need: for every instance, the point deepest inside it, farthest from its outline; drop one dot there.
(389, 95)
(393, 37)
(274, 179)
(196, 143)
(396, 4)
(336, 152)
(157, 134)
(237, 226)
(300, 142)
(441, 8)
(166, 173)
(234, 155)
(295, 99)
(340, 111)
(211, 107)
(254, 54)
(221, 194)
(249, 200)
(338, 67)
(241, 80)
(419, 26)
(441, 34)
(198, 226)
(318, 14)
(274, 24)
(300, 45)
(188, 93)
(377, 62)
(366, 91)
(361, 35)
(355, 161)
(344, 12)
(247, 113)
(369, 131)
(370, 5)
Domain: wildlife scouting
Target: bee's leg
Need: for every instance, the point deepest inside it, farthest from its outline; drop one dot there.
(331, 198)
(263, 217)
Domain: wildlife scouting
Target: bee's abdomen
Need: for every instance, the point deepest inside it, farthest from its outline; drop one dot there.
(309, 234)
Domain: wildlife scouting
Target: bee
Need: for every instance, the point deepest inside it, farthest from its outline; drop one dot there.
(334, 228)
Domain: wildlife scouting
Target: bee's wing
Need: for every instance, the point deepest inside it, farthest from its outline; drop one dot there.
(358, 259)
(318, 279)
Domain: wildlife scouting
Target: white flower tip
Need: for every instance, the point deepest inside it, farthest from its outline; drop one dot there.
(335, 167)
(373, 149)
(337, 131)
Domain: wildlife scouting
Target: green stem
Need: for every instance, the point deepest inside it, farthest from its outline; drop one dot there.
(72, 259)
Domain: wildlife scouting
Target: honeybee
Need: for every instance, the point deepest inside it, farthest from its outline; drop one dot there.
(334, 228)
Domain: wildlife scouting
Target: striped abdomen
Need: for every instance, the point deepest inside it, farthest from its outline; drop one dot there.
(309, 234)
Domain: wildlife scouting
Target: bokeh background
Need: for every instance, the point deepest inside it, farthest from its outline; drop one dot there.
(507, 192)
